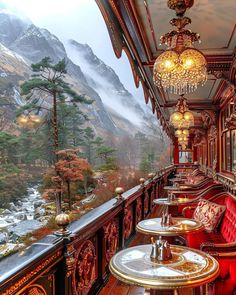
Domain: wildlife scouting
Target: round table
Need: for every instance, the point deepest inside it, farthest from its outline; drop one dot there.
(180, 226)
(175, 202)
(178, 189)
(188, 268)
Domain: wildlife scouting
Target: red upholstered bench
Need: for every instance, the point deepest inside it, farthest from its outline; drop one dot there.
(222, 245)
(209, 191)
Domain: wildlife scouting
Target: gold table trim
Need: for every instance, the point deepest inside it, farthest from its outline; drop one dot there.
(201, 279)
(166, 232)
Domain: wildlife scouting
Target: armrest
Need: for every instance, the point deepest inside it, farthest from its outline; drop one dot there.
(218, 248)
(188, 211)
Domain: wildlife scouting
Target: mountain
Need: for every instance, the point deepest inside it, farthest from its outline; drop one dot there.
(32, 44)
(106, 82)
(113, 105)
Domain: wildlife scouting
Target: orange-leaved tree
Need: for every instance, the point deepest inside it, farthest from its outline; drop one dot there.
(71, 168)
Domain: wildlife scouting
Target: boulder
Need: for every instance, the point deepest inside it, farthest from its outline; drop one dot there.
(19, 203)
(3, 238)
(6, 212)
(12, 207)
(38, 203)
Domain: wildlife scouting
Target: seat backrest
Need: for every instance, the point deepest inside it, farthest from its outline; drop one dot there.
(228, 223)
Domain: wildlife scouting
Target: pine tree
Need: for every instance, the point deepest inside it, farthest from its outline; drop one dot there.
(49, 80)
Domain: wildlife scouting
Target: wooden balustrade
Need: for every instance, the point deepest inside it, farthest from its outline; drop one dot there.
(78, 263)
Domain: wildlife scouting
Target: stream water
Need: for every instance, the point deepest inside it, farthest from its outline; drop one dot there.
(22, 216)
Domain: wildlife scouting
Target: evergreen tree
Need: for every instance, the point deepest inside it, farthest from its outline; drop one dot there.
(49, 79)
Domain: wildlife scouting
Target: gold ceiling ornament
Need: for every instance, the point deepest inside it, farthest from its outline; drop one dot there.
(180, 6)
(181, 68)
(182, 118)
(182, 133)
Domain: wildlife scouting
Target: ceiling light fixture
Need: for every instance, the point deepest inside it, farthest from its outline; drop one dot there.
(182, 118)
(181, 68)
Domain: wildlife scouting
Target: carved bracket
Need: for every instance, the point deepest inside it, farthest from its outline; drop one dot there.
(208, 118)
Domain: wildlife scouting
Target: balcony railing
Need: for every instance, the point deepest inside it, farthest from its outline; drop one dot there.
(78, 263)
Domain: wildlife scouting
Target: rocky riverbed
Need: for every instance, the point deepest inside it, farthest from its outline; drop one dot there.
(22, 217)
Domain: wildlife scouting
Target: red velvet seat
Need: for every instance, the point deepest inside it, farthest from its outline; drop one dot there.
(222, 245)
(226, 232)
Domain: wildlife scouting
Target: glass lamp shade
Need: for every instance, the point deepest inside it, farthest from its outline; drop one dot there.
(166, 62)
(185, 132)
(176, 118)
(192, 59)
(182, 133)
(178, 132)
(188, 117)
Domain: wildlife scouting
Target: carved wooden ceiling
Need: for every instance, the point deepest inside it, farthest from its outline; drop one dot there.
(135, 26)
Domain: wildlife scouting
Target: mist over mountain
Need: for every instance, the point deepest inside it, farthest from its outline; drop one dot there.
(113, 105)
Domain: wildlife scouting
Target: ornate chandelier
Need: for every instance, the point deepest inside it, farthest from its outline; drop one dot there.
(182, 118)
(181, 68)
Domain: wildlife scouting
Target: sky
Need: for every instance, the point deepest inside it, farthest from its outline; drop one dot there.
(82, 21)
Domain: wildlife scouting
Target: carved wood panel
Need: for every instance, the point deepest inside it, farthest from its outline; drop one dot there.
(128, 221)
(84, 273)
(34, 290)
(111, 238)
(146, 203)
(139, 208)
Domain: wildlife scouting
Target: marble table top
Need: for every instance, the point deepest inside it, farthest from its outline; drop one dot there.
(174, 202)
(180, 226)
(187, 268)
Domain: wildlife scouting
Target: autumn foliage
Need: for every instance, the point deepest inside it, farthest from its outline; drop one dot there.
(69, 169)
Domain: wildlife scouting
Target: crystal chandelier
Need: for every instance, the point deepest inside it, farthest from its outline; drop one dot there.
(181, 68)
(182, 118)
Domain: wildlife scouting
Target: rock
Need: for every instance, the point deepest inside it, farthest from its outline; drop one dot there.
(38, 203)
(12, 207)
(3, 238)
(24, 227)
(39, 212)
(6, 211)
(19, 203)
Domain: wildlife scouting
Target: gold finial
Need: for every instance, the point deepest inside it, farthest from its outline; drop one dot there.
(62, 220)
(142, 181)
(119, 191)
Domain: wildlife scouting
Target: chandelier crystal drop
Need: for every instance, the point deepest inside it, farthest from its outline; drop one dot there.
(181, 68)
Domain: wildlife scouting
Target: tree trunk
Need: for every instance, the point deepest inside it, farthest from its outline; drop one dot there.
(55, 124)
(69, 195)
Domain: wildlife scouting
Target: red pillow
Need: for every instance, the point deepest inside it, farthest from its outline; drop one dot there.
(209, 214)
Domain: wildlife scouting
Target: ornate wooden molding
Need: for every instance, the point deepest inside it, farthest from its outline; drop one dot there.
(30, 275)
(139, 208)
(199, 136)
(208, 118)
(212, 134)
(34, 290)
(84, 273)
(111, 239)
(128, 222)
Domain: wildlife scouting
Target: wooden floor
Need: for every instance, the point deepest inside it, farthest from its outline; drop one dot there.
(115, 287)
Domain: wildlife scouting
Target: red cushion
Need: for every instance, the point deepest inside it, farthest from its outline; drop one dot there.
(228, 224)
(209, 214)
